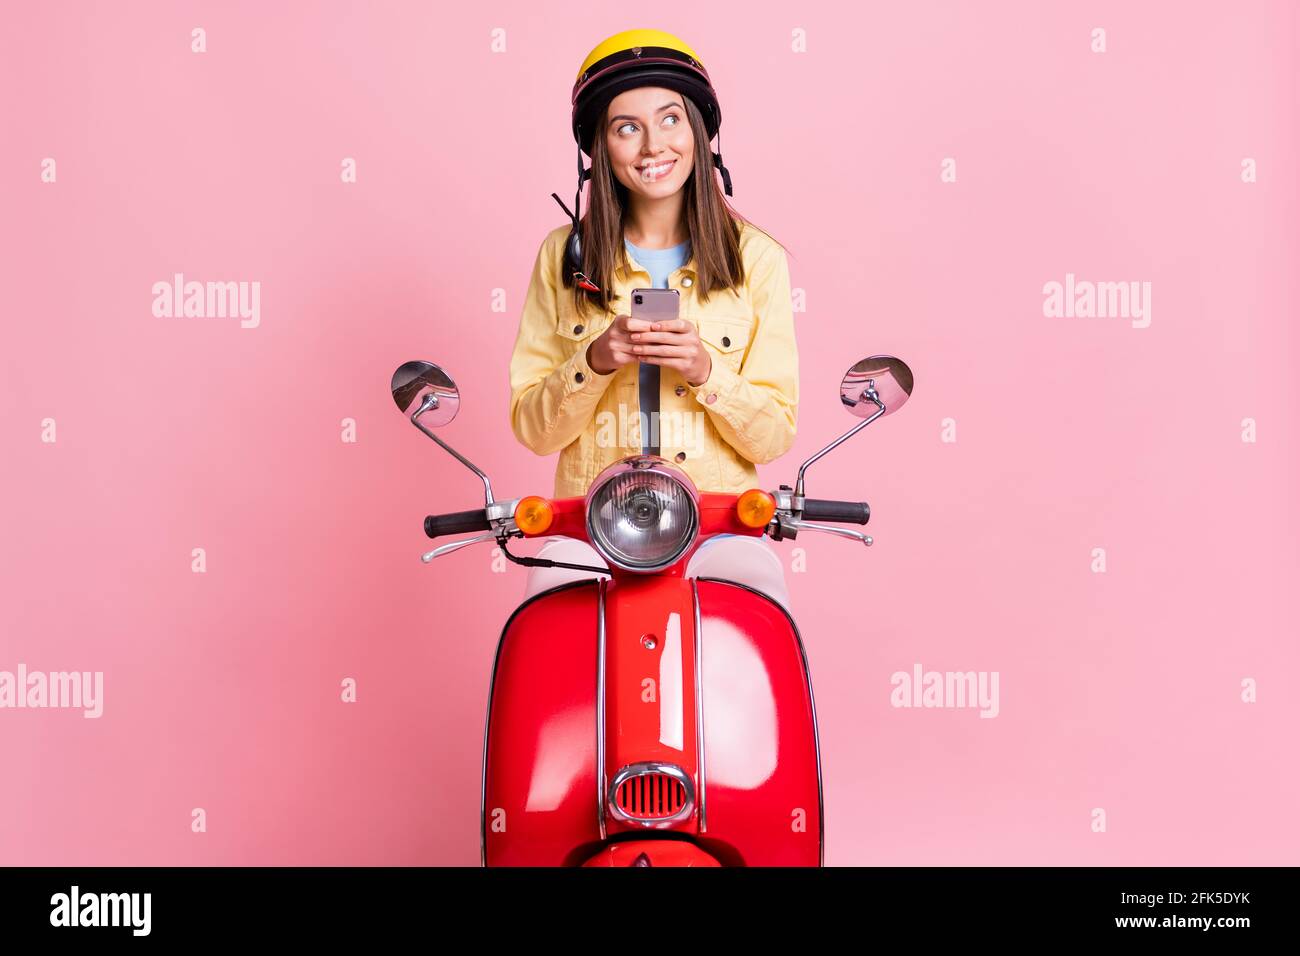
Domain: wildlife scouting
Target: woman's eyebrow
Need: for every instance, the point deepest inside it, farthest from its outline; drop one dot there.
(660, 110)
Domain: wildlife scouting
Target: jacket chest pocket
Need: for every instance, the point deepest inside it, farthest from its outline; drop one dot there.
(577, 329)
(726, 338)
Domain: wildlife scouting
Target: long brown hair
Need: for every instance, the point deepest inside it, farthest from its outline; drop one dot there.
(713, 225)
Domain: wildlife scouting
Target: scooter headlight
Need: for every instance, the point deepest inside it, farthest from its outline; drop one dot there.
(642, 514)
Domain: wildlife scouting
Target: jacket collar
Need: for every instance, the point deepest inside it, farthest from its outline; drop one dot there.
(627, 271)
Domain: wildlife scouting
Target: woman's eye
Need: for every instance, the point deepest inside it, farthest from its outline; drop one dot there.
(677, 122)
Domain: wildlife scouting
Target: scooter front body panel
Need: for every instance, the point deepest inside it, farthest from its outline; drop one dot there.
(593, 681)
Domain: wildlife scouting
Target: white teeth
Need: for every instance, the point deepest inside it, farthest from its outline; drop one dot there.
(653, 172)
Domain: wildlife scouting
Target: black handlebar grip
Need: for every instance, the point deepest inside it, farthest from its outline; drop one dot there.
(822, 509)
(457, 523)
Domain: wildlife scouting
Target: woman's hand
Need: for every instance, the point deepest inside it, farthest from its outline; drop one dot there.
(671, 342)
(674, 343)
(613, 347)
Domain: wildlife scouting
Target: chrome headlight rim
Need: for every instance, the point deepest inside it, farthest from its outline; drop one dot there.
(652, 464)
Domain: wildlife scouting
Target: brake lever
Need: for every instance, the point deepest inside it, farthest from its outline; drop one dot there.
(833, 529)
(788, 526)
(457, 545)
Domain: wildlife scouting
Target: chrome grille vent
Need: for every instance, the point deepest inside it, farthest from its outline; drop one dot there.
(651, 794)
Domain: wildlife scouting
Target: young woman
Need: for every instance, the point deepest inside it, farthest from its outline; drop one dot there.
(714, 391)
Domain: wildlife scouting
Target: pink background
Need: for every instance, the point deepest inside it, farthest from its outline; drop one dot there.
(1118, 690)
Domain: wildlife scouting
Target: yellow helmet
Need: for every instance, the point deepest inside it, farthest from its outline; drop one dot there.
(622, 62)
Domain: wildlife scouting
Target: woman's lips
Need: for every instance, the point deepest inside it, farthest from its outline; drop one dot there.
(653, 173)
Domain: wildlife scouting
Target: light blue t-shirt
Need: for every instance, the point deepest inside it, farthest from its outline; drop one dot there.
(660, 263)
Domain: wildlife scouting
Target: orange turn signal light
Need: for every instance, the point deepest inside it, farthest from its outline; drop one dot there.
(534, 514)
(755, 508)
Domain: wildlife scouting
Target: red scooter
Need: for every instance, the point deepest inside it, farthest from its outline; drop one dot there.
(650, 719)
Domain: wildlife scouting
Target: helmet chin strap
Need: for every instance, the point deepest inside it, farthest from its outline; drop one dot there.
(572, 253)
(717, 161)
(583, 176)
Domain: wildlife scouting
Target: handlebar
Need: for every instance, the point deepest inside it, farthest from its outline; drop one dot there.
(814, 509)
(824, 509)
(457, 522)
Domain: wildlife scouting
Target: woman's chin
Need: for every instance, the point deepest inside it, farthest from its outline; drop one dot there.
(662, 187)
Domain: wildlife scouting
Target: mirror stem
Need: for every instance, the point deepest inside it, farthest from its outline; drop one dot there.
(868, 393)
(431, 401)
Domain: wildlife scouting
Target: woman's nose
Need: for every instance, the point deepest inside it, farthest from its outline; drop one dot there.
(653, 144)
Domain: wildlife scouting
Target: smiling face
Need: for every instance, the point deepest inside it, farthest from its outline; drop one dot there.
(649, 140)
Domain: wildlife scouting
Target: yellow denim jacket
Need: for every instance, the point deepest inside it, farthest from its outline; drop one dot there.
(745, 413)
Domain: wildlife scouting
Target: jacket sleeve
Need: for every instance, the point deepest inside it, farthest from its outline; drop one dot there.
(552, 398)
(756, 409)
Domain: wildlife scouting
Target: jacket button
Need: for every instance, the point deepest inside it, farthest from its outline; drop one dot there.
(688, 282)
(577, 330)
(577, 376)
(680, 456)
(680, 390)
(711, 399)
(726, 342)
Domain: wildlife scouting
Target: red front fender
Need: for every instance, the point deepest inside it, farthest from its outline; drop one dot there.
(652, 853)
